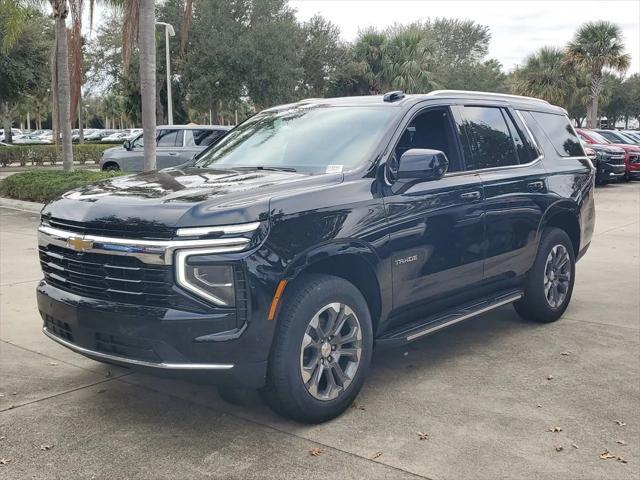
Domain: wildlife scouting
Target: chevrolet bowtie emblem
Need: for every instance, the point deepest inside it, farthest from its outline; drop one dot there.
(79, 244)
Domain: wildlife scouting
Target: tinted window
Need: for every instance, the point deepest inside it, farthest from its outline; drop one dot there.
(201, 137)
(525, 148)
(169, 138)
(488, 139)
(560, 133)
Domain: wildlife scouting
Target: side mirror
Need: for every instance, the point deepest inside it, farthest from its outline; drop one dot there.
(127, 145)
(422, 164)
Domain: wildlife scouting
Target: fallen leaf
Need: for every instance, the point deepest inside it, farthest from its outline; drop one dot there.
(620, 423)
(620, 459)
(550, 377)
(423, 436)
(376, 455)
(108, 373)
(555, 429)
(621, 442)
(357, 406)
(539, 406)
(46, 447)
(4, 461)
(2, 437)
(53, 364)
(11, 406)
(101, 391)
(574, 446)
(565, 354)
(315, 452)
(1, 395)
(606, 455)
(559, 448)
(14, 393)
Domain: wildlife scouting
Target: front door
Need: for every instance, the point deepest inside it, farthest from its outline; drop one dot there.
(436, 227)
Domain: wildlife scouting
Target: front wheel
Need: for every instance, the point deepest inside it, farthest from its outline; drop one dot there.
(321, 351)
(549, 283)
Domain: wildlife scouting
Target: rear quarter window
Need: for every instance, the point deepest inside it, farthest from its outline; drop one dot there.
(558, 131)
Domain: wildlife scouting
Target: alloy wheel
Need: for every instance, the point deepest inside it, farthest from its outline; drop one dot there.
(557, 276)
(331, 351)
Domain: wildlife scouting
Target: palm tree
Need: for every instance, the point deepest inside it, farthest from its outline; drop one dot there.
(407, 56)
(544, 75)
(140, 23)
(62, 80)
(597, 46)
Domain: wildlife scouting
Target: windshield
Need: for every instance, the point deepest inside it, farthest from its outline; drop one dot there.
(596, 137)
(314, 139)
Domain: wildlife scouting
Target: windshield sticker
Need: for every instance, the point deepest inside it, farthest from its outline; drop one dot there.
(334, 169)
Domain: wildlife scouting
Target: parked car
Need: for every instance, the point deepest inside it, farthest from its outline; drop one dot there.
(28, 138)
(615, 137)
(14, 131)
(631, 153)
(632, 135)
(313, 231)
(98, 134)
(176, 144)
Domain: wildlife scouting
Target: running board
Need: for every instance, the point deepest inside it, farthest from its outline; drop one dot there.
(413, 331)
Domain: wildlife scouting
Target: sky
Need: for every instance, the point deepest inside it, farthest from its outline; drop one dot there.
(518, 27)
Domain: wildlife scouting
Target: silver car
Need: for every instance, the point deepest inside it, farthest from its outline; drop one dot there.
(175, 145)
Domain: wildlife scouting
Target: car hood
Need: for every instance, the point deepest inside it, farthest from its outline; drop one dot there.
(182, 197)
(608, 148)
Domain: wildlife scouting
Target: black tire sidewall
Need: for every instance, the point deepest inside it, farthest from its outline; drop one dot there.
(286, 390)
(534, 305)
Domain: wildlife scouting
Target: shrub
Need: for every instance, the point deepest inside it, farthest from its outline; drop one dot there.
(50, 154)
(42, 186)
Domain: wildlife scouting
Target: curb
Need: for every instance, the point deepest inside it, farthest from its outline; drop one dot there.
(31, 207)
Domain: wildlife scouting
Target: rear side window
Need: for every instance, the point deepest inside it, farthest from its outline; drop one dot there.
(489, 142)
(560, 133)
(201, 138)
(170, 138)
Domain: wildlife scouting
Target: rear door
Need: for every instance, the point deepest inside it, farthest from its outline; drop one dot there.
(196, 140)
(169, 147)
(514, 184)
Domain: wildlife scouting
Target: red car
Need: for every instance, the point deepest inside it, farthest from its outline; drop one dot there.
(631, 152)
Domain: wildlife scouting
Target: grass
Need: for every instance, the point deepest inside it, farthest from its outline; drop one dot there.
(42, 186)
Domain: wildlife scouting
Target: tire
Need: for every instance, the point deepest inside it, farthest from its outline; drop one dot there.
(536, 305)
(111, 167)
(316, 299)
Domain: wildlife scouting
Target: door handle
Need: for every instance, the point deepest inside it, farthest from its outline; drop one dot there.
(173, 154)
(470, 196)
(535, 186)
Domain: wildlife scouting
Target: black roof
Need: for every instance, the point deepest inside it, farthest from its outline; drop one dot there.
(517, 101)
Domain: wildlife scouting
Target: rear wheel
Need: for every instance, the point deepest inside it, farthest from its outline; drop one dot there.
(322, 349)
(111, 167)
(549, 283)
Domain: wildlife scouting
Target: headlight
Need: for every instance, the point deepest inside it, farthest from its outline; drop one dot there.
(213, 282)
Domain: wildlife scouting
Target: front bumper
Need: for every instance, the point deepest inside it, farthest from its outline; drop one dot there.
(156, 340)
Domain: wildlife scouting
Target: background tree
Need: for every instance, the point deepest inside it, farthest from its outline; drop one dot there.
(23, 61)
(597, 46)
(544, 75)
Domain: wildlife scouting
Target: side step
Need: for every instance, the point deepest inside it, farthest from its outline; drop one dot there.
(413, 331)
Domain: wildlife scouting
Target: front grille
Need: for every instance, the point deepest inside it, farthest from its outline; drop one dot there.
(112, 228)
(121, 279)
(615, 160)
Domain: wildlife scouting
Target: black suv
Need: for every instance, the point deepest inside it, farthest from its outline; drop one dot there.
(313, 231)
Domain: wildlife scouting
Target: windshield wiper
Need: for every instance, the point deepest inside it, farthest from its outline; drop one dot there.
(270, 168)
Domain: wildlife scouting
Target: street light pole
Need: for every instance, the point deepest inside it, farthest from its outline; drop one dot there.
(168, 31)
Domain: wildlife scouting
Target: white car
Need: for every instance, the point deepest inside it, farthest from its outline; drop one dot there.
(14, 132)
(29, 138)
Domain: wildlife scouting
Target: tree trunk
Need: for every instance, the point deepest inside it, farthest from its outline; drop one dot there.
(64, 86)
(596, 89)
(6, 122)
(147, 47)
(80, 118)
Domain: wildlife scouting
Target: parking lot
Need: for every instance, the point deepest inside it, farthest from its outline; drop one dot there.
(495, 397)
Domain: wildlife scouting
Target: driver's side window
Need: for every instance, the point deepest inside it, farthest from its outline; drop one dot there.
(433, 129)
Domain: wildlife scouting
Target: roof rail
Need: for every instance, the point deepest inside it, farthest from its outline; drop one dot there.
(393, 96)
(469, 92)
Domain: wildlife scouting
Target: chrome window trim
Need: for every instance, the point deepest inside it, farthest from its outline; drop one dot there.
(132, 361)
(158, 252)
(224, 229)
(181, 275)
